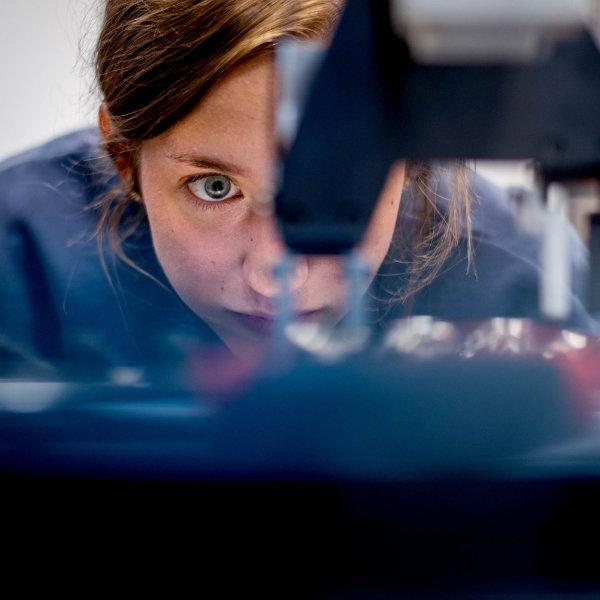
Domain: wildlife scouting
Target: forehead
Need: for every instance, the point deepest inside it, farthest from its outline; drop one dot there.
(236, 117)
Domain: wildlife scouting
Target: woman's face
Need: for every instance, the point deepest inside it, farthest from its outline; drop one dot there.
(200, 181)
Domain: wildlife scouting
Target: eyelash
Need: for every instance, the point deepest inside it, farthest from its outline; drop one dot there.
(203, 204)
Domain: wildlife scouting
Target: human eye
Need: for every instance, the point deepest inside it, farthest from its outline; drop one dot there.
(213, 187)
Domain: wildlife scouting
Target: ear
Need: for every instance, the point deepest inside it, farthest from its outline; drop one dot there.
(118, 151)
(105, 122)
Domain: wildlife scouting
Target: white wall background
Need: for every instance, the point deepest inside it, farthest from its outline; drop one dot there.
(45, 69)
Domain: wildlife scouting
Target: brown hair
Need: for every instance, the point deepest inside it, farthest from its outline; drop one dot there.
(156, 59)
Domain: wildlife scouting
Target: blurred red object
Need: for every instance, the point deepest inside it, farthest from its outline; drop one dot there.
(217, 373)
(581, 369)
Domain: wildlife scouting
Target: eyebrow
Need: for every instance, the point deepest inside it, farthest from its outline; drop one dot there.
(208, 162)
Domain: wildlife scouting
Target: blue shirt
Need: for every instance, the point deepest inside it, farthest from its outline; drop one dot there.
(59, 306)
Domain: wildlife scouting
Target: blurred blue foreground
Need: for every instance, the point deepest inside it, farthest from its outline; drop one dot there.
(369, 478)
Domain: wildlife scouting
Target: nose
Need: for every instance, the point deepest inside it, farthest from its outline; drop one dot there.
(266, 249)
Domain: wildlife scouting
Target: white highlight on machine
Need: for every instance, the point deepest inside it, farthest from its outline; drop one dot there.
(555, 281)
(478, 31)
(297, 63)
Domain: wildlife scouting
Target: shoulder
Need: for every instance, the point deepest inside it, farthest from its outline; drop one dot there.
(496, 223)
(499, 233)
(50, 275)
(44, 196)
(66, 171)
(76, 144)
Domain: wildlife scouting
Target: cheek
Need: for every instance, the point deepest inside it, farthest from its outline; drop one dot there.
(196, 261)
(377, 240)
(379, 234)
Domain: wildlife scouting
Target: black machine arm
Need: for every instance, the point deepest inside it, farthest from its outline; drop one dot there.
(372, 103)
